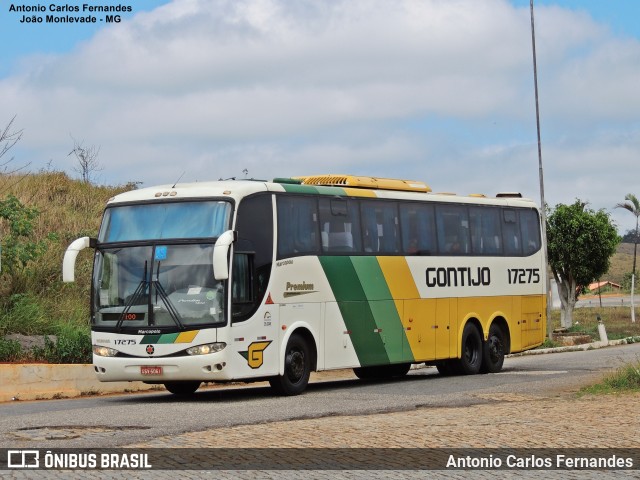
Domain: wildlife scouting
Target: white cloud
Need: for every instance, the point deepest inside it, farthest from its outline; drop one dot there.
(438, 90)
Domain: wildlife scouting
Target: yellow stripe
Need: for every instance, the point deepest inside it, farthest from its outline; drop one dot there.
(186, 337)
(359, 192)
(399, 279)
(402, 287)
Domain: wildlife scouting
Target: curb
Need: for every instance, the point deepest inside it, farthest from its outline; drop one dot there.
(576, 348)
(37, 381)
(43, 381)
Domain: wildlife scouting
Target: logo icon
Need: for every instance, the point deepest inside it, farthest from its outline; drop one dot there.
(23, 459)
(255, 355)
(150, 349)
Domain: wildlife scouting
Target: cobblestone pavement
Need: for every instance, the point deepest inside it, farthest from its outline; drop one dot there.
(517, 421)
(559, 420)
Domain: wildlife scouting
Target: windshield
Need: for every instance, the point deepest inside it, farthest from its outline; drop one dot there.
(156, 286)
(153, 221)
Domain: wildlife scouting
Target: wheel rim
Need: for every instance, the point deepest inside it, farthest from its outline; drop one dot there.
(295, 365)
(470, 352)
(496, 349)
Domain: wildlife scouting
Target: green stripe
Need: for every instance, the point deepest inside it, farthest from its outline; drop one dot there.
(299, 189)
(168, 338)
(147, 339)
(159, 339)
(383, 308)
(311, 189)
(355, 310)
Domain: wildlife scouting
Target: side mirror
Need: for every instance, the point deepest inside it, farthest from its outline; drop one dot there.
(221, 255)
(69, 261)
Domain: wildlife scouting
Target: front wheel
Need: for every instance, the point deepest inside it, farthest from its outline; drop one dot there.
(471, 359)
(297, 368)
(493, 351)
(182, 388)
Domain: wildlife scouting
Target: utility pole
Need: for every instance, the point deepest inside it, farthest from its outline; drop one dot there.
(543, 209)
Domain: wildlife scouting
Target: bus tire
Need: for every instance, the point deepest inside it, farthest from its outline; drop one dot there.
(182, 388)
(297, 368)
(471, 360)
(493, 350)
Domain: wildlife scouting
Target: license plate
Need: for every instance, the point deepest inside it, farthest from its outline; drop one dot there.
(151, 370)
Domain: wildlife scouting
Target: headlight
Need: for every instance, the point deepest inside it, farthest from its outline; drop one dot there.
(206, 348)
(104, 351)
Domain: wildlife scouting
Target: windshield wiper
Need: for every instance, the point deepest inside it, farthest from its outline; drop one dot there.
(142, 286)
(173, 312)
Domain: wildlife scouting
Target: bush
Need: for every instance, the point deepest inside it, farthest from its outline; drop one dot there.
(10, 350)
(25, 314)
(73, 345)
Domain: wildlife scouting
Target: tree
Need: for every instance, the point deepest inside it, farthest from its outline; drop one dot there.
(8, 139)
(87, 160)
(580, 244)
(633, 206)
(630, 236)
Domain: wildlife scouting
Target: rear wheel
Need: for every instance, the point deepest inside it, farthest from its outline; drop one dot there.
(297, 368)
(471, 359)
(493, 351)
(182, 388)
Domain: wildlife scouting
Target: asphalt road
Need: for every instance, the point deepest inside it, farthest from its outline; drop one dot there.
(125, 419)
(608, 301)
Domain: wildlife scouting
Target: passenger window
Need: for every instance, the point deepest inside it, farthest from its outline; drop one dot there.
(380, 229)
(297, 226)
(453, 229)
(339, 225)
(530, 226)
(418, 229)
(486, 238)
(511, 233)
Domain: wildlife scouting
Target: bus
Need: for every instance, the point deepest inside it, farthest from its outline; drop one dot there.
(254, 280)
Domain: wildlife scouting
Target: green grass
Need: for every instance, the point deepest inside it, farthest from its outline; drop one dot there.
(10, 350)
(34, 301)
(625, 379)
(621, 263)
(549, 344)
(617, 322)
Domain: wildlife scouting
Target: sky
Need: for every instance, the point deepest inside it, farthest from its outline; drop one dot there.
(440, 91)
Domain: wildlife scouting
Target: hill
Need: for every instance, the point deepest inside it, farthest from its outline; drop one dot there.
(621, 264)
(33, 298)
